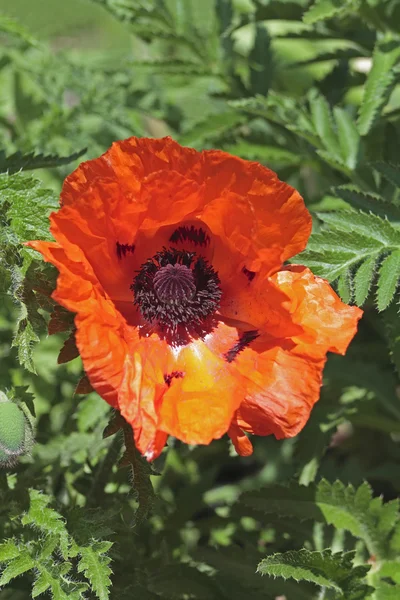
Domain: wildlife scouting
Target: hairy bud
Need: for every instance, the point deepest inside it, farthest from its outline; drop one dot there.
(15, 432)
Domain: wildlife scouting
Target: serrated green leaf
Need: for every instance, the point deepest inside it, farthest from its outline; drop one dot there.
(53, 577)
(8, 550)
(322, 119)
(325, 9)
(392, 331)
(46, 519)
(345, 287)
(19, 565)
(349, 138)
(377, 229)
(24, 340)
(28, 162)
(353, 238)
(27, 206)
(332, 571)
(282, 110)
(368, 202)
(95, 566)
(388, 280)
(363, 280)
(391, 172)
(334, 162)
(341, 506)
(379, 83)
(210, 129)
(42, 583)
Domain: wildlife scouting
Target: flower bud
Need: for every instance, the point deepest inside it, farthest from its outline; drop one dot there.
(15, 432)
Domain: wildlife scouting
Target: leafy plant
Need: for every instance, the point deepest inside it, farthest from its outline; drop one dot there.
(311, 89)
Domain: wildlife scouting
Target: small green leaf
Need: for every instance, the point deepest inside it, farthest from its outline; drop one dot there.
(19, 565)
(324, 9)
(391, 318)
(24, 340)
(379, 84)
(95, 566)
(8, 550)
(28, 206)
(263, 153)
(42, 583)
(363, 280)
(345, 287)
(352, 239)
(46, 519)
(390, 171)
(349, 138)
(27, 162)
(388, 280)
(322, 119)
(327, 570)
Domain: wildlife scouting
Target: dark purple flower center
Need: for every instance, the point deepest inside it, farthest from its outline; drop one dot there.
(177, 290)
(174, 284)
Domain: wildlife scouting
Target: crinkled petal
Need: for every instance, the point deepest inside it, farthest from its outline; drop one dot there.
(282, 388)
(328, 324)
(142, 389)
(252, 214)
(283, 381)
(199, 406)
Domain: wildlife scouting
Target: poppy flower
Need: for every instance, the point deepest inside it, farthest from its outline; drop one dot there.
(187, 320)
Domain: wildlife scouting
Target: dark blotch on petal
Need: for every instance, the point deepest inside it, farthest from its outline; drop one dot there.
(244, 340)
(249, 274)
(174, 375)
(123, 249)
(196, 236)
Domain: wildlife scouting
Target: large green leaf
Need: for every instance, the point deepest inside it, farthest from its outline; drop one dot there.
(327, 570)
(352, 241)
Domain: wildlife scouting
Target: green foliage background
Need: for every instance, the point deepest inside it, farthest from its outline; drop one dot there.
(311, 89)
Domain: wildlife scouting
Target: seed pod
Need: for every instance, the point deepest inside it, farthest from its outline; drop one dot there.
(14, 432)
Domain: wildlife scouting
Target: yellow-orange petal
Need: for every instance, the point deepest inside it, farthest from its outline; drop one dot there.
(198, 407)
(328, 324)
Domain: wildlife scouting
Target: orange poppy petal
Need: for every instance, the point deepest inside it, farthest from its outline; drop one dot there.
(282, 388)
(243, 445)
(278, 224)
(199, 405)
(284, 380)
(248, 208)
(141, 392)
(328, 323)
(258, 303)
